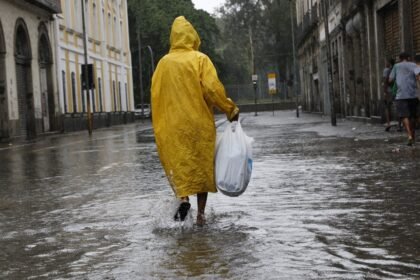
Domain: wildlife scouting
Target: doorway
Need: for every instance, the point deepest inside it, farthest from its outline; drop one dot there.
(45, 74)
(4, 118)
(23, 57)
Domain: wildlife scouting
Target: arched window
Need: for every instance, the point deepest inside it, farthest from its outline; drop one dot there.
(63, 78)
(95, 22)
(119, 96)
(126, 97)
(121, 43)
(115, 32)
(100, 94)
(109, 31)
(67, 15)
(73, 91)
(115, 96)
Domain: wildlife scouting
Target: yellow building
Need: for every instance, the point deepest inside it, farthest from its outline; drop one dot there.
(112, 100)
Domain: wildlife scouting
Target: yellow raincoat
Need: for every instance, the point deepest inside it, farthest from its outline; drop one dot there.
(185, 88)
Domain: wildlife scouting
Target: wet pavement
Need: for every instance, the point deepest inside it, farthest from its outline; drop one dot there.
(323, 203)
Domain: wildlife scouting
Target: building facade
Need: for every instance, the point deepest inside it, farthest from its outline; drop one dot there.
(28, 89)
(112, 99)
(363, 35)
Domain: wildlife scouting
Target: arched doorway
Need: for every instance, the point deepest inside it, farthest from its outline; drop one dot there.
(45, 74)
(23, 57)
(4, 118)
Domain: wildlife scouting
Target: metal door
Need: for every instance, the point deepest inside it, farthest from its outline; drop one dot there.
(392, 31)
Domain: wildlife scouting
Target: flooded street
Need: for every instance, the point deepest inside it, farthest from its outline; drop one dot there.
(323, 203)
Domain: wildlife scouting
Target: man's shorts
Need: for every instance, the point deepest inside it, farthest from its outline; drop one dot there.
(407, 108)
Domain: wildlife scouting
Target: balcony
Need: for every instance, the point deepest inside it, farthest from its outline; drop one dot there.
(52, 6)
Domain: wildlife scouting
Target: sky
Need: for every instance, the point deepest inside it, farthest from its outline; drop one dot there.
(208, 5)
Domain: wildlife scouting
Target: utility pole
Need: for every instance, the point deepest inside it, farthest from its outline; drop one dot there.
(140, 72)
(254, 74)
(87, 85)
(329, 66)
(295, 89)
(152, 59)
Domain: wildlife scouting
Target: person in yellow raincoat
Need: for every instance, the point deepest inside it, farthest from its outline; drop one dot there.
(185, 89)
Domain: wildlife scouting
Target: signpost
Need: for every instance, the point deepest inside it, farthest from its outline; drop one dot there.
(272, 87)
(254, 82)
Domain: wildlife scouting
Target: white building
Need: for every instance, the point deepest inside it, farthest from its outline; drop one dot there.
(108, 51)
(28, 89)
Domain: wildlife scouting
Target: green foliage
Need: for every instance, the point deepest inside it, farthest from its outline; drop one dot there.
(264, 22)
(226, 39)
(153, 19)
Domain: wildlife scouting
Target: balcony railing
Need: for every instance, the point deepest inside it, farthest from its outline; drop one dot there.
(53, 6)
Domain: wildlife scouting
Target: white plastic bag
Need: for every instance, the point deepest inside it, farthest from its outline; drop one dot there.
(233, 163)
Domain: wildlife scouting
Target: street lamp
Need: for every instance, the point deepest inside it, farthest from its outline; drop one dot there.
(254, 75)
(329, 66)
(87, 84)
(140, 73)
(295, 89)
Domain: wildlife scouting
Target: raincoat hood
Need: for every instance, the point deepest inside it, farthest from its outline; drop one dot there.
(183, 35)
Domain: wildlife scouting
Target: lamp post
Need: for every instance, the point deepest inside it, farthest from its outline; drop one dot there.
(87, 85)
(295, 89)
(329, 66)
(140, 73)
(152, 60)
(254, 75)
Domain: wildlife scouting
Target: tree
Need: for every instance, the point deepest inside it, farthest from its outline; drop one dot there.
(153, 20)
(263, 23)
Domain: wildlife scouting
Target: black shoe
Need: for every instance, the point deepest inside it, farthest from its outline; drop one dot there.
(387, 128)
(182, 211)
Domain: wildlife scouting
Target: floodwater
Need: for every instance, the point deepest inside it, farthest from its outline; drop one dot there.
(323, 203)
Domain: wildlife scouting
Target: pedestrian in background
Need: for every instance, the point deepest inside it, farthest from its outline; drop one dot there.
(406, 100)
(417, 73)
(185, 89)
(387, 89)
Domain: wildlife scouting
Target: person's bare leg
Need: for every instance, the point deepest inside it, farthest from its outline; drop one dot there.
(407, 125)
(201, 204)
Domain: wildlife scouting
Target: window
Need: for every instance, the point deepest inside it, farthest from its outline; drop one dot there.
(83, 95)
(100, 94)
(73, 90)
(68, 14)
(63, 77)
(121, 42)
(78, 16)
(102, 26)
(95, 19)
(119, 96)
(115, 96)
(126, 97)
(109, 31)
(115, 32)
(92, 97)
(87, 16)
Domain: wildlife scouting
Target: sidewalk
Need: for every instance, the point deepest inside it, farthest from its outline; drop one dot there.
(309, 123)
(321, 125)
